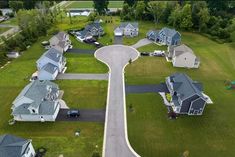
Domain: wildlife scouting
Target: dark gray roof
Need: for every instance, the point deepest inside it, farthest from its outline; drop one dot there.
(124, 24)
(53, 54)
(153, 34)
(92, 25)
(50, 68)
(185, 86)
(169, 32)
(60, 35)
(41, 93)
(12, 146)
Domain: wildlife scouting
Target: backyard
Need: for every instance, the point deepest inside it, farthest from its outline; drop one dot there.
(57, 137)
(207, 135)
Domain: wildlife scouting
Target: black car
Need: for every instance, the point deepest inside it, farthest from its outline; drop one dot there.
(144, 54)
(73, 113)
(89, 41)
(97, 45)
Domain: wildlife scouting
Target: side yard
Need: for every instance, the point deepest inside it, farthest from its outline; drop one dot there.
(207, 135)
(57, 137)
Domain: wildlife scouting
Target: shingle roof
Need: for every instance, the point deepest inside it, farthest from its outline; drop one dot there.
(50, 68)
(185, 86)
(60, 35)
(91, 25)
(182, 49)
(38, 92)
(153, 33)
(169, 32)
(12, 146)
(124, 24)
(53, 54)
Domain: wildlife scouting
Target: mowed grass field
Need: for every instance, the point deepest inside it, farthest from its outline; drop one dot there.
(89, 4)
(152, 134)
(57, 137)
(84, 63)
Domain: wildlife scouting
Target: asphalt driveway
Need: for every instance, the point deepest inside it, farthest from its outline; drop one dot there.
(74, 76)
(147, 88)
(118, 40)
(86, 115)
(81, 51)
(142, 42)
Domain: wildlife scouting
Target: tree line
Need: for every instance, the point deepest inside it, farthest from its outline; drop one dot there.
(33, 24)
(215, 18)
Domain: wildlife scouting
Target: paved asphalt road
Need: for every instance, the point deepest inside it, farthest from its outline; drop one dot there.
(116, 142)
(147, 88)
(90, 115)
(71, 76)
(142, 42)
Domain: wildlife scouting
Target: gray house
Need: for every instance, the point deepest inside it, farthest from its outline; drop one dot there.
(12, 146)
(50, 64)
(167, 36)
(61, 42)
(187, 95)
(38, 101)
(91, 30)
(153, 35)
(130, 29)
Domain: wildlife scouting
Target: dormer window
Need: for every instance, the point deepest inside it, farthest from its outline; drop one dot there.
(33, 110)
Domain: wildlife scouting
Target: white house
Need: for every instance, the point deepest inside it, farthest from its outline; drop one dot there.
(130, 29)
(60, 41)
(50, 64)
(183, 56)
(38, 101)
(77, 12)
(12, 146)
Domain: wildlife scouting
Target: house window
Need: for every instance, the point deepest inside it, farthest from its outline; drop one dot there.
(33, 111)
(185, 58)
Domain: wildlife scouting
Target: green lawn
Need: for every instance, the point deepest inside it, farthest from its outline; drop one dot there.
(57, 137)
(207, 135)
(11, 21)
(84, 63)
(151, 47)
(89, 4)
(4, 29)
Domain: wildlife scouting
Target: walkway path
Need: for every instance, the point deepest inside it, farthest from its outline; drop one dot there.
(142, 42)
(74, 76)
(152, 88)
(116, 143)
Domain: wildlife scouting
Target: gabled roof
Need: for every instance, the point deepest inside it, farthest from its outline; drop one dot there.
(153, 33)
(12, 146)
(40, 93)
(52, 54)
(50, 68)
(169, 32)
(182, 49)
(60, 35)
(124, 24)
(185, 86)
(93, 25)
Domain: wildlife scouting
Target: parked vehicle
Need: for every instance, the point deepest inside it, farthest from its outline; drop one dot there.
(73, 113)
(144, 54)
(159, 53)
(97, 45)
(90, 40)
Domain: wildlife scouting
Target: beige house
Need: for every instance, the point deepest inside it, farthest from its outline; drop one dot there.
(183, 56)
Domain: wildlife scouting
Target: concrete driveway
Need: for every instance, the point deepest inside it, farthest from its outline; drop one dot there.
(142, 42)
(86, 115)
(71, 76)
(147, 88)
(116, 143)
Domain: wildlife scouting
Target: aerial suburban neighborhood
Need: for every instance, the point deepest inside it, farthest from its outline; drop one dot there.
(117, 78)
